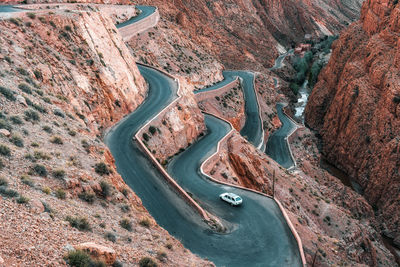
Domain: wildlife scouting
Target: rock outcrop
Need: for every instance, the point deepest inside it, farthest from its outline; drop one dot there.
(176, 127)
(98, 79)
(356, 108)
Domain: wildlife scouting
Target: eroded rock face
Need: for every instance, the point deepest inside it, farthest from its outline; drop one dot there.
(355, 107)
(176, 127)
(99, 80)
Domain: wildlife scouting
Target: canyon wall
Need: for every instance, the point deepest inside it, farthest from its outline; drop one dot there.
(355, 107)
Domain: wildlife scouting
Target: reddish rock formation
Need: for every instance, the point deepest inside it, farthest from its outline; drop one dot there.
(355, 107)
(176, 127)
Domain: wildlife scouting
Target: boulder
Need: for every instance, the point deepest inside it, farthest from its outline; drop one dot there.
(37, 206)
(21, 100)
(98, 252)
(5, 132)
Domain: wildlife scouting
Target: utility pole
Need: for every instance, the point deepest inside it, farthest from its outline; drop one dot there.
(273, 185)
(315, 257)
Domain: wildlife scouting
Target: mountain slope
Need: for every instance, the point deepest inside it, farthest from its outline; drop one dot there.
(355, 107)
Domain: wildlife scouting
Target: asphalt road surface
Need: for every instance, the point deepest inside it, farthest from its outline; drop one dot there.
(145, 12)
(277, 147)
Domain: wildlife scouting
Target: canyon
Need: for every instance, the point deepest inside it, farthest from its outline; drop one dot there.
(69, 66)
(355, 109)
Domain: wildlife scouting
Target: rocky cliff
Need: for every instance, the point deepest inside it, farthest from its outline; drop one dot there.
(356, 107)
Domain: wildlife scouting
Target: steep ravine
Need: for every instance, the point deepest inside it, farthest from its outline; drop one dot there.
(355, 108)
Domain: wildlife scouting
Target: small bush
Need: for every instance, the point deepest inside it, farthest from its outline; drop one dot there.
(41, 155)
(7, 93)
(145, 222)
(152, 130)
(3, 182)
(23, 71)
(22, 200)
(125, 208)
(60, 193)
(79, 258)
(59, 113)
(34, 144)
(147, 262)
(46, 190)
(39, 108)
(16, 120)
(31, 15)
(101, 168)
(40, 170)
(17, 140)
(4, 150)
(31, 115)
(396, 99)
(56, 140)
(110, 236)
(169, 246)
(1, 165)
(47, 129)
(162, 256)
(126, 224)
(146, 137)
(85, 145)
(5, 125)
(88, 197)
(14, 21)
(25, 88)
(38, 74)
(4, 191)
(71, 132)
(39, 92)
(27, 180)
(59, 174)
(79, 223)
(105, 189)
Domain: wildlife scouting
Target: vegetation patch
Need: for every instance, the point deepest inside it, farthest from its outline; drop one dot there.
(79, 223)
(79, 258)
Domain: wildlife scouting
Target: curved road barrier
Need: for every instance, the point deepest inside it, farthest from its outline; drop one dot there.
(148, 18)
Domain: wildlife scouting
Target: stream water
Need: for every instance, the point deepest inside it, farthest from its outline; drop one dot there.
(300, 106)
